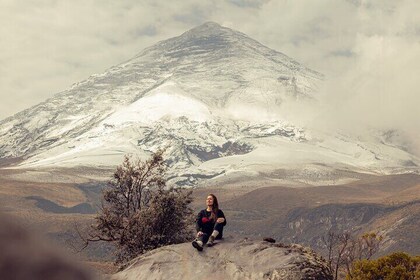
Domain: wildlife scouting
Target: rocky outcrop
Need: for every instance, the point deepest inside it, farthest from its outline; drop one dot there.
(228, 259)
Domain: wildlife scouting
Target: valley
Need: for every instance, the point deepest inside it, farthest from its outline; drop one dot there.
(389, 205)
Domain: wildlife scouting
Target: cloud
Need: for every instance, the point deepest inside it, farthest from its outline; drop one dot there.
(49, 45)
(380, 89)
(248, 3)
(368, 51)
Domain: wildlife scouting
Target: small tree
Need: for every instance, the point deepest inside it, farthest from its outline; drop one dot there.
(361, 248)
(137, 213)
(344, 249)
(338, 246)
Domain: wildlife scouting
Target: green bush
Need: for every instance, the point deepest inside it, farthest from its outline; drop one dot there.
(397, 266)
(139, 213)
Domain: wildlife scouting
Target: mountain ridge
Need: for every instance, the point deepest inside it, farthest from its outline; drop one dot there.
(198, 93)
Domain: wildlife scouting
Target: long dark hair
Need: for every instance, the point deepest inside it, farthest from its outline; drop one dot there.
(215, 208)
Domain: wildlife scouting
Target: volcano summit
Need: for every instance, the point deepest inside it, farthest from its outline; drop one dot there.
(217, 99)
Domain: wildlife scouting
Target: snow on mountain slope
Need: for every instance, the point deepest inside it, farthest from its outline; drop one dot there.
(214, 97)
(167, 100)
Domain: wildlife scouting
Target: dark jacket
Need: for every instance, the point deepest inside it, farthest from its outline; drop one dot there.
(205, 224)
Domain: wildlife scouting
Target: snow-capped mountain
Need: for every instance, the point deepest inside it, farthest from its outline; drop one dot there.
(213, 96)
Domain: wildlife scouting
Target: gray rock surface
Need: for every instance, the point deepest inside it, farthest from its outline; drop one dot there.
(228, 259)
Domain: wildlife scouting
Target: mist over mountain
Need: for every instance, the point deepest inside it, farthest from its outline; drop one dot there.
(225, 107)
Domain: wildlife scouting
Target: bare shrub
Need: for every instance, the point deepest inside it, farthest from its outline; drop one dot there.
(344, 249)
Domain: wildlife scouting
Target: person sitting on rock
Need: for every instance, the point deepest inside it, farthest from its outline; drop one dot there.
(209, 224)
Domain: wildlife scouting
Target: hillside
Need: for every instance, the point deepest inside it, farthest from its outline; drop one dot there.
(389, 205)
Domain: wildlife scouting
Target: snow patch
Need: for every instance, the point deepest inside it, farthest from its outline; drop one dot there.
(167, 101)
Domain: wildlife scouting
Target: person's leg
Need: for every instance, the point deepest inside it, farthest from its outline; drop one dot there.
(216, 234)
(204, 238)
(218, 231)
(199, 242)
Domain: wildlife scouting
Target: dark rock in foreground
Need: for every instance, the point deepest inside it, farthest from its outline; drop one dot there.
(243, 259)
(24, 255)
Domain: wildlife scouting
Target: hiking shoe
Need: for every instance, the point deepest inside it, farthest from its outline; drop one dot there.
(211, 241)
(197, 245)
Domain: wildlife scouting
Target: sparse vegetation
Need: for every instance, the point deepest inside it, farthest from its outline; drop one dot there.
(344, 250)
(349, 258)
(395, 266)
(138, 213)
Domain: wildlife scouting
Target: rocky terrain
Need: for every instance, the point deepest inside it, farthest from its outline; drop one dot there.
(228, 259)
(385, 204)
(25, 255)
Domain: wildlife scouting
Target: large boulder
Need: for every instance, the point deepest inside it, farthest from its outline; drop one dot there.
(228, 259)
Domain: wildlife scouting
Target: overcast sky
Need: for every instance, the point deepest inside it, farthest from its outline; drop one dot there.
(368, 50)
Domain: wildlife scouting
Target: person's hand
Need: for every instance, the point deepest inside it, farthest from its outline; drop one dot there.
(200, 233)
(220, 220)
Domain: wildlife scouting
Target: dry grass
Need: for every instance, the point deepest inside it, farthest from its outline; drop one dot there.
(66, 195)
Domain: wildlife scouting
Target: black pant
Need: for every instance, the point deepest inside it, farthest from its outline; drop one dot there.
(206, 235)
